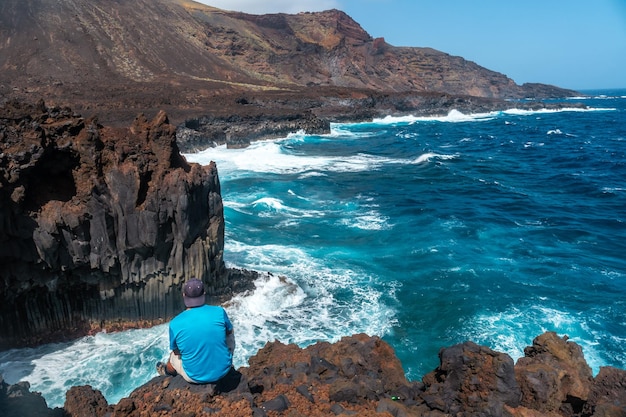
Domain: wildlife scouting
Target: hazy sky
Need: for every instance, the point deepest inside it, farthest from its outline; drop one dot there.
(578, 44)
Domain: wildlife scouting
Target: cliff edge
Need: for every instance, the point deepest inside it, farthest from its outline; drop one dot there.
(361, 376)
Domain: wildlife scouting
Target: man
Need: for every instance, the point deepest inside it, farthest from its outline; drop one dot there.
(201, 339)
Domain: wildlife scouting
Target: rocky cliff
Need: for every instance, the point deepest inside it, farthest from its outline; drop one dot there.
(119, 58)
(361, 376)
(99, 226)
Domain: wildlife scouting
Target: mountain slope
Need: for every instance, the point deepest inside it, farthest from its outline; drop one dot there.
(116, 55)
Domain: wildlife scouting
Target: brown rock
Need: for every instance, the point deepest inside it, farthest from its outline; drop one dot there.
(100, 226)
(472, 379)
(607, 396)
(84, 401)
(120, 59)
(553, 375)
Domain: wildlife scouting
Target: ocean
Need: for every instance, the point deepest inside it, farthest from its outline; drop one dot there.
(426, 231)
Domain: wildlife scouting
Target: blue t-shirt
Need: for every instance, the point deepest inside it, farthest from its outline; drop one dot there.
(199, 334)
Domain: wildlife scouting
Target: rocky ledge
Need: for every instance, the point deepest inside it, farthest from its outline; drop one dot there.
(361, 376)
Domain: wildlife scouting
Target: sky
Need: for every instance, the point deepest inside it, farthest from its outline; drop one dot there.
(576, 44)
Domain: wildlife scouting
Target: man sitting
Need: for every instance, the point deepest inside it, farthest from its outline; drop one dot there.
(201, 339)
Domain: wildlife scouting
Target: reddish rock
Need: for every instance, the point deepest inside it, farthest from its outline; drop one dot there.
(123, 58)
(607, 396)
(358, 375)
(84, 401)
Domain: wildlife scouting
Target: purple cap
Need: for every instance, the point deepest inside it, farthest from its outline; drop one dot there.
(193, 293)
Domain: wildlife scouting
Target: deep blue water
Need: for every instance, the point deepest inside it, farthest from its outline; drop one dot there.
(426, 231)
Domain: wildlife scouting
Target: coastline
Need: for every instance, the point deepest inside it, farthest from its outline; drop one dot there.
(246, 118)
(516, 106)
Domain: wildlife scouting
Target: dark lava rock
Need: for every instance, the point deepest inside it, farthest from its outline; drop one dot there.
(471, 380)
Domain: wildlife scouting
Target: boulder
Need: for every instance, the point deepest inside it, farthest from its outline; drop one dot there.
(18, 401)
(84, 401)
(607, 395)
(472, 380)
(554, 376)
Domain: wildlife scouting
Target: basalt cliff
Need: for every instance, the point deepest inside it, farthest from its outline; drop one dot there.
(99, 226)
(361, 376)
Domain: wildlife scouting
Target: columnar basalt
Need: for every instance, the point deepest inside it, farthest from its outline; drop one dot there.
(99, 226)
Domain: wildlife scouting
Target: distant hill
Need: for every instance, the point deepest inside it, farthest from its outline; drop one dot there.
(120, 57)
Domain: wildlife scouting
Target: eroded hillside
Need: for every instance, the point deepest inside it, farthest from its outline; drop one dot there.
(118, 58)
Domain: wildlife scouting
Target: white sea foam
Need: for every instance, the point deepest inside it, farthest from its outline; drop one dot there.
(613, 189)
(258, 204)
(312, 174)
(427, 157)
(343, 131)
(272, 203)
(112, 363)
(270, 157)
(559, 132)
(296, 303)
(268, 206)
(454, 116)
(524, 112)
(304, 306)
(371, 220)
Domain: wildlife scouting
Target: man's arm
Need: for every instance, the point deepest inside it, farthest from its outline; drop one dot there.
(230, 340)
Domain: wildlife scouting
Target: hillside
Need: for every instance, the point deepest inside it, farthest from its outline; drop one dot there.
(117, 58)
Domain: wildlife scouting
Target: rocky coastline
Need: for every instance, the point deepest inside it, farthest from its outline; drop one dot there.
(360, 375)
(102, 218)
(68, 184)
(100, 225)
(243, 118)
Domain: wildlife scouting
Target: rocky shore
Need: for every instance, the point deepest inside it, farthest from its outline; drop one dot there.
(361, 376)
(243, 118)
(87, 210)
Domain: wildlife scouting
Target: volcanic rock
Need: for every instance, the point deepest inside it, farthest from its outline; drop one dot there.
(18, 401)
(100, 226)
(472, 379)
(360, 375)
(554, 375)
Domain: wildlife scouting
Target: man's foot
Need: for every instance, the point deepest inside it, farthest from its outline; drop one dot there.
(160, 367)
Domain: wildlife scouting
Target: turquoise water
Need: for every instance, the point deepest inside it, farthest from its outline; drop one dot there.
(427, 231)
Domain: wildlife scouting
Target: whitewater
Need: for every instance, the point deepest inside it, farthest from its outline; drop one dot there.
(427, 231)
